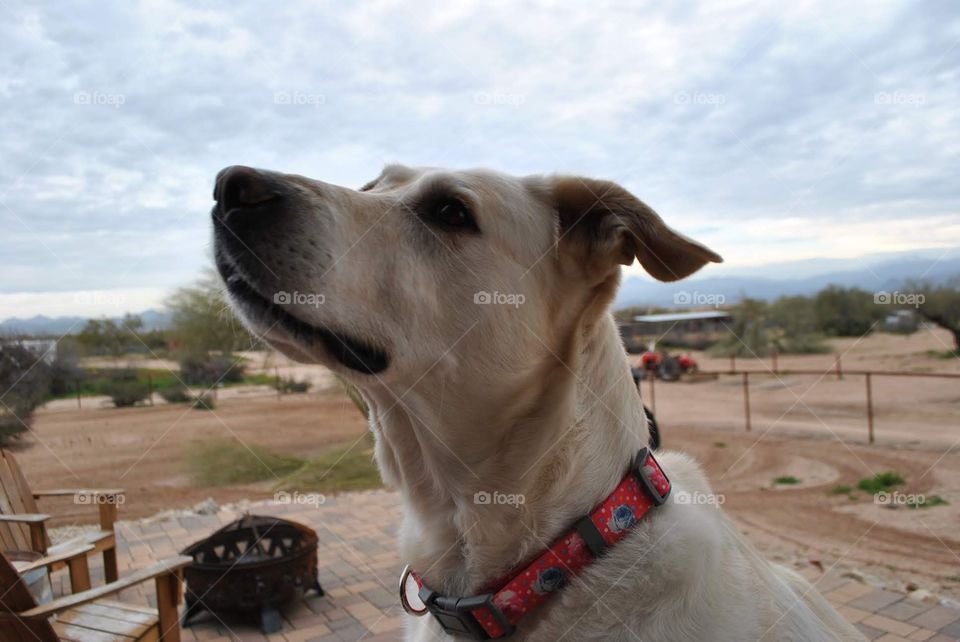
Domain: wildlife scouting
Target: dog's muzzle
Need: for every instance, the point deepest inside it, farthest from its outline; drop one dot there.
(252, 207)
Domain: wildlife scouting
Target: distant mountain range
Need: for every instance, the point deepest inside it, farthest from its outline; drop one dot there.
(874, 273)
(41, 325)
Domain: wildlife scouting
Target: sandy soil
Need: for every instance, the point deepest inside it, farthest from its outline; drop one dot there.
(805, 522)
(819, 440)
(918, 411)
(142, 449)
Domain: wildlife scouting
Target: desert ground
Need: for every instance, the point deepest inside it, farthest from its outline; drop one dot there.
(810, 428)
(916, 411)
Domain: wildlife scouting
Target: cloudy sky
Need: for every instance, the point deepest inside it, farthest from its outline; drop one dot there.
(772, 131)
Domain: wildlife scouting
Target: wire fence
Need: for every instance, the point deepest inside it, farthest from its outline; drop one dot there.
(837, 373)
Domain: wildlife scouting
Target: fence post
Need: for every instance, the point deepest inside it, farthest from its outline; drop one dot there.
(276, 379)
(78, 393)
(653, 393)
(869, 410)
(746, 398)
(150, 388)
(838, 368)
(773, 357)
(733, 363)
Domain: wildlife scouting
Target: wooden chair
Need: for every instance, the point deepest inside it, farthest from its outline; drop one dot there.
(74, 558)
(86, 616)
(22, 525)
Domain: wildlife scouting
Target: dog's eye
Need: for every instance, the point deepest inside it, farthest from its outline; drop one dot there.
(455, 214)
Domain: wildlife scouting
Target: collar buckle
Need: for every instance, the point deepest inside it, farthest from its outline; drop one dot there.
(643, 476)
(455, 614)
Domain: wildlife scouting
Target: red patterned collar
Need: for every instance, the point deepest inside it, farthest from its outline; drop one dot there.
(496, 613)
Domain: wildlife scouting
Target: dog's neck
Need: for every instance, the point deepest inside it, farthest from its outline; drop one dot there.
(542, 458)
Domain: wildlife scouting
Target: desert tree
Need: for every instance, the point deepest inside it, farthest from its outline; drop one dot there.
(940, 305)
(24, 383)
(846, 312)
(202, 321)
(206, 333)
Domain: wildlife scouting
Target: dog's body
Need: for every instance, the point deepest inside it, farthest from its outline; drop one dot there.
(532, 398)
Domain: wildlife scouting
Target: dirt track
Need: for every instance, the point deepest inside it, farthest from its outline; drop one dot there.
(805, 522)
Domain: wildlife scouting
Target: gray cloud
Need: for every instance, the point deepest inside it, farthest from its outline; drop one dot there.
(790, 131)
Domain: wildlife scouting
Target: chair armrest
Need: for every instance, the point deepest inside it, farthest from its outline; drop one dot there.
(62, 492)
(37, 525)
(25, 518)
(108, 509)
(56, 558)
(164, 567)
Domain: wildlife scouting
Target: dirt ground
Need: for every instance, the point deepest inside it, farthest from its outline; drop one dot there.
(805, 522)
(922, 412)
(819, 440)
(143, 449)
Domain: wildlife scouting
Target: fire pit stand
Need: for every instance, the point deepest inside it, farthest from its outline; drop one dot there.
(252, 565)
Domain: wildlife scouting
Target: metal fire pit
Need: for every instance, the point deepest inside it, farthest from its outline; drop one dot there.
(252, 565)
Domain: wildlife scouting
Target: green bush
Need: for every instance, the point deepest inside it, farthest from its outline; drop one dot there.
(289, 385)
(203, 402)
(846, 312)
(125, 392)
(202, 370)
(66, 374)
(24, 382)
(176, 394)
(786, 479)
(749, 334)
(933, 500)
(880, 482)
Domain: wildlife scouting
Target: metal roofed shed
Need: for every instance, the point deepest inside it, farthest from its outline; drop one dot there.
(676, 317)
(697, 329)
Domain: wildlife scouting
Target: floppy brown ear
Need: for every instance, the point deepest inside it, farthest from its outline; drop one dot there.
(614, 226)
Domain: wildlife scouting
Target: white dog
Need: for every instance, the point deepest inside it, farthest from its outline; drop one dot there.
(471, 310)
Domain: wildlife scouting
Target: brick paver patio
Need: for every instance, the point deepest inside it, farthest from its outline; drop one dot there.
(359, 568)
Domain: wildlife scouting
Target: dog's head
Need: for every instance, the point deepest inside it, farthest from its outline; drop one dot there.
(424, 266)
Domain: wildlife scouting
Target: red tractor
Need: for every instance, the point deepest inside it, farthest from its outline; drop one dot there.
(664, 366)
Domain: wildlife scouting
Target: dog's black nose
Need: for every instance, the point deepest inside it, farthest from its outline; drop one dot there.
(239, 186)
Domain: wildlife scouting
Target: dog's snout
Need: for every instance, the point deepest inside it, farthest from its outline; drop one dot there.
(239, 186)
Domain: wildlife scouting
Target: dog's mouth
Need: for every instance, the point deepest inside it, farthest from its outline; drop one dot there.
(349, 351)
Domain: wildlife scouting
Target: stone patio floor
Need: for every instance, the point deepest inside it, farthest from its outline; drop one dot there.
(359, 568)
